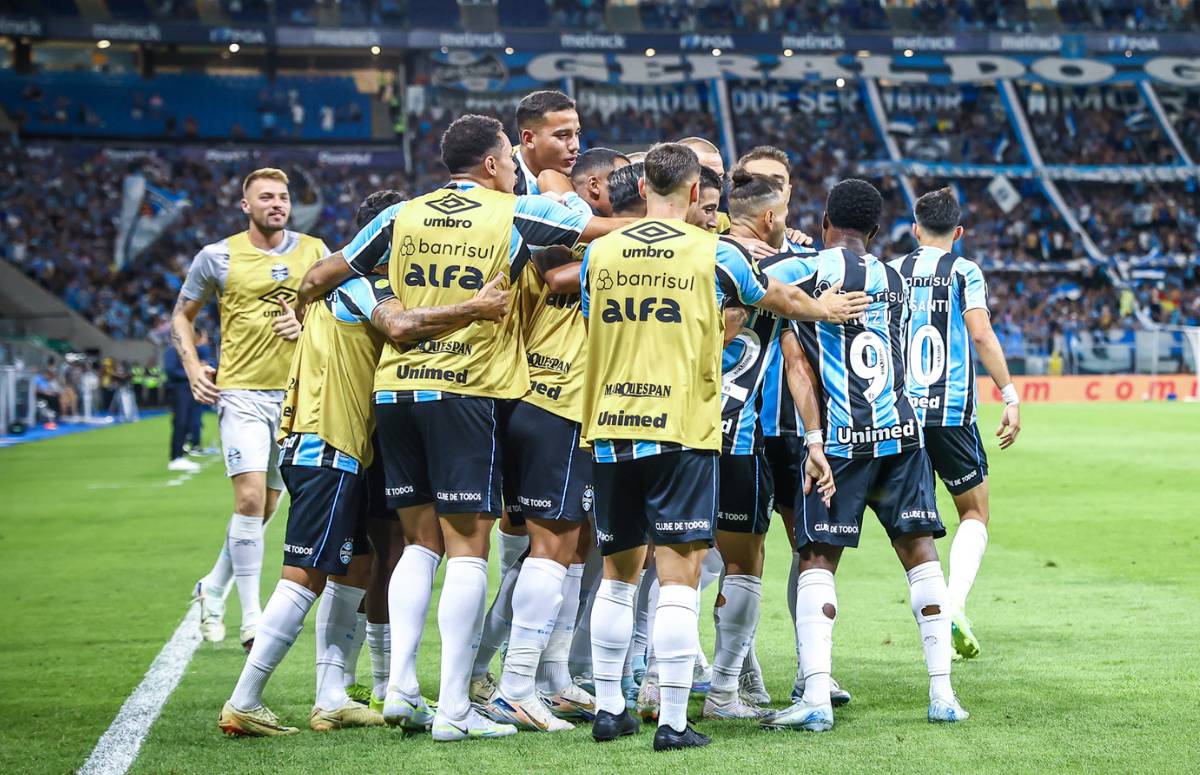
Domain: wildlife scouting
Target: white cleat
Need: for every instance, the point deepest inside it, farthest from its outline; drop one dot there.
(483, 689)
(183, 465)
(648, 699)
(837, 695)
(571, 702)
(751, 686)
(800, 716)
(473, 727)
(701, 674)
(530, 713)
(947, 711)
(734, 709)
(212, 614)
(410, 715)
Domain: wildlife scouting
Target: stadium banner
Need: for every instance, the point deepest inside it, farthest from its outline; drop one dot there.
(1162, 173)
(147, 211)
(258, 156)
(1093, 389)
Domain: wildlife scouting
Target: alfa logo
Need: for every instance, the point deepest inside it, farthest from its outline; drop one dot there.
(283, 293)
(453, 204)
(279, 272)
(651, 232)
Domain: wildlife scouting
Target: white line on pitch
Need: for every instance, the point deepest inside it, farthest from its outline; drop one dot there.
(119, 745)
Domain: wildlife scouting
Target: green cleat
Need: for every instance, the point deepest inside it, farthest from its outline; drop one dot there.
(359, 693)
(962, 637)
(375, 703)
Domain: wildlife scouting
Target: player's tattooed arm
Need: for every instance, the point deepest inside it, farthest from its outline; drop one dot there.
(991, 355)
(806, 393)
(735, 320)
(559, 267)
(404, 326)
(201, 376)
(323, 276)
(791, 302)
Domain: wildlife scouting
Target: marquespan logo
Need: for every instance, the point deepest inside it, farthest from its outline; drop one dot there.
(650, 232)
(453, 203)
(279, 272)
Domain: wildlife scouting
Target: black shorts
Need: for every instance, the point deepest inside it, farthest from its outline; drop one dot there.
(957, 455)
(669, 498)
(785, 457)
(444, 452)
(746, 494)
(546, 473)
(326, 524)
(898, 488)
(376, 494)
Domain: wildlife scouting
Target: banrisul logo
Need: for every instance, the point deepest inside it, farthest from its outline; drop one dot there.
(450, 205)
(650, 233)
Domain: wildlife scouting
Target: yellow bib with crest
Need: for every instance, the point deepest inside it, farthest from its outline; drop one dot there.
(555, 345)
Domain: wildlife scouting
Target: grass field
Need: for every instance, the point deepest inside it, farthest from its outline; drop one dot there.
(1088, 609)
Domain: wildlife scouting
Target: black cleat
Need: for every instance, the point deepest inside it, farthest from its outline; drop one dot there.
(610, 726)
(667, 739)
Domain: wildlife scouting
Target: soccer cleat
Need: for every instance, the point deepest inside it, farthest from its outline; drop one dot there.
(701, 677)
(256, 722)
(410, 715)
(734, 709)
(247, 635)
(212, 614)
(648, 699)
(837, 695)
(800, 715)
(610, 726)
(182, 464)
(375, 703)
(352, 714)
(359, 693)
(639, 668)
(585, 682)
(630, 689)
(962, 636)
(751, 686)
(531, 713)
(667, 739)
(947, 711)
(571, 702)
(483, 689)
(474, 726)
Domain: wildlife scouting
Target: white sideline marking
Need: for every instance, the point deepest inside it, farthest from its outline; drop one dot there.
(119, 745)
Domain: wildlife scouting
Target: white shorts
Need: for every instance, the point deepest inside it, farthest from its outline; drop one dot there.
(249, 423)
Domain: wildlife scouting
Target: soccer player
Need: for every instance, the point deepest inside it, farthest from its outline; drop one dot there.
(548, 129)
(255, 274)
(549, 477)
(781, 426)
(624, 196)
(436, 402)
(948, 299)
(653, 293)
(710, 158)
(874, 446)
(326, 440)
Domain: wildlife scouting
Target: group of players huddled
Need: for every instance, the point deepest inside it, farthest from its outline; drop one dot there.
(630, 361)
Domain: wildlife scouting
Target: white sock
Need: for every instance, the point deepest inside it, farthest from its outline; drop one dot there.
(553, 674)
(511, 549)
(676, 641)
(651, 615)
(627, 669)
(536, 600)
(409, 592)
(814, 631)
(460, 617)
(612, 626)
(966, 553)
(216, 583)
(497, 623)
(379, 644)
(735, 629)
(278, 629)
(750, 663)
(793, 577)
(580, 661)
(335, 634)
(641, 630)
(927, 590)
(710, 569)
(360, 635)
(245, 541)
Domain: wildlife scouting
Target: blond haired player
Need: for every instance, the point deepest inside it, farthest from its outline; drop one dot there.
(255, 275)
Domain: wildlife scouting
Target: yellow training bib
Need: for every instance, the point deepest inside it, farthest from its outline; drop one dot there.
(555, 346)
(252, 356)
(654, 336)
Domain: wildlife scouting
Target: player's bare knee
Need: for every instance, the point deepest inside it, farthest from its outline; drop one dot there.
(829, 610)
(931, 610)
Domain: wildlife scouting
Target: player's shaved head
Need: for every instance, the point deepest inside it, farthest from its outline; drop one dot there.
(708, 154)
(670, 168)
(854, 205)
(636, 157)
(699, 145)
(374, 204)
(938, 212)
(469, 140)
(623, 194)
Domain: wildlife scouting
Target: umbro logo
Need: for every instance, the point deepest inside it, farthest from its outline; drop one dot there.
(453, 203)
(650, 232)
(281, 293)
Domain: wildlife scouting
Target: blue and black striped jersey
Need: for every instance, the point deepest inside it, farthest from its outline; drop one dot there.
(861, 364)
(941, 363)
(746, 364)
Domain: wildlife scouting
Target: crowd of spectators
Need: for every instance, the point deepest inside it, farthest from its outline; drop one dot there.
(951, 124)
(1139, 221)
(1098, 134)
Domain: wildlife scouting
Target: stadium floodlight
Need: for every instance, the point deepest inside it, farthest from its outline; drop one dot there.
(908, 52)
(863, 53)
(103, 43)
(375, 51)
(650, 52)
(508, 50)
(787, 52)
(841, 83)
(234, 48)
(716, 52)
